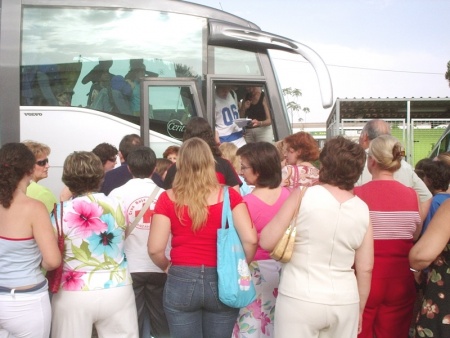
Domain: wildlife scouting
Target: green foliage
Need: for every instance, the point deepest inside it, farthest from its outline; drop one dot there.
(292, 96)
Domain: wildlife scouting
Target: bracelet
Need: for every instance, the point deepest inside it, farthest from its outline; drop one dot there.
(414, 270)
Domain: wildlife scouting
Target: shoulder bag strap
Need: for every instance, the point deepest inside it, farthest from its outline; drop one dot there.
(131, 227)
(296, 176)
(225, 206)
(297, 210)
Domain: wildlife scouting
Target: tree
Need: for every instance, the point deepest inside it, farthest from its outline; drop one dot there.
(292, 96)
(447, 74)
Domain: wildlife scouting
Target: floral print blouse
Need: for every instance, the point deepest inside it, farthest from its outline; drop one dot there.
(94, 232)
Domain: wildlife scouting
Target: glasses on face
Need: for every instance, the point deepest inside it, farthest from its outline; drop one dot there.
(243, 167)
(42, 163)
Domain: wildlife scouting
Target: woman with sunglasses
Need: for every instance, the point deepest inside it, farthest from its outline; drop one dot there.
(35, 190)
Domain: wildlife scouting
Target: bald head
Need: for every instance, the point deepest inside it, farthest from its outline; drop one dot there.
(372, 130)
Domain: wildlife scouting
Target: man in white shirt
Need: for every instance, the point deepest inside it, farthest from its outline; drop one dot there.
(148, 279)
(404, 175)
(226, 111)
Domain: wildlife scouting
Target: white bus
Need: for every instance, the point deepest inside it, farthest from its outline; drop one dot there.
(58, 57)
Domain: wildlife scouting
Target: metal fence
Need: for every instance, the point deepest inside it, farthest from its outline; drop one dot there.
(418, 138)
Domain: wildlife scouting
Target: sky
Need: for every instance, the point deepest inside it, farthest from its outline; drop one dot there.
(373, 48)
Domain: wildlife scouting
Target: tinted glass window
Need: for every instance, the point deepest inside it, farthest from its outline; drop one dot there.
(63, 66)
(235, 62)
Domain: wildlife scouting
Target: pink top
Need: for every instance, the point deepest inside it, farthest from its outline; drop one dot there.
(261, 214)
(194, 248)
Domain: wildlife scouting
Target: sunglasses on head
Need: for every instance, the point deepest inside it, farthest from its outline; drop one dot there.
(42, 163)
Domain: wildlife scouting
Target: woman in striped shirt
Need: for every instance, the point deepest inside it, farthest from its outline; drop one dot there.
(394, 213)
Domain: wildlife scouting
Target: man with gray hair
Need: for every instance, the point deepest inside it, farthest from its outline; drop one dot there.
(404, 175)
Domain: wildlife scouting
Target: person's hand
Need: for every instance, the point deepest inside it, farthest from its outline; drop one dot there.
(246, 104)
(255, 123)
(360, 322)
(418, 277)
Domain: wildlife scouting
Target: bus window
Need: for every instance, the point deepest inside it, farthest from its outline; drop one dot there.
(55, 60)
(235, 62)
(170, 104)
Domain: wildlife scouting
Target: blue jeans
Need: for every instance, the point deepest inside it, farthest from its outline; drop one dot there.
(192, 305)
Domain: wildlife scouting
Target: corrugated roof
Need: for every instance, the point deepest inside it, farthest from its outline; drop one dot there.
(385, 108)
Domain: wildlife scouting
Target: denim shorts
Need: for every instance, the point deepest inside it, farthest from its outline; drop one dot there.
(192, 304)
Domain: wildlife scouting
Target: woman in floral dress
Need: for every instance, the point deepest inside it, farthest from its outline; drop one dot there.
(96, 284)
(300, 150)
(433, 250)
(261, 167)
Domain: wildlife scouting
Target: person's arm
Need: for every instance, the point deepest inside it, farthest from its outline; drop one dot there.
(363, 269)
(45, 237)
(245, 230)
(424, 193)
(158, 239)
(418, 230)
(268, 120)
(275, 229)
(433, 241)
(424, 208)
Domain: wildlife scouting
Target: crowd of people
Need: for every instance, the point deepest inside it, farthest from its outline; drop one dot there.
(140, 238)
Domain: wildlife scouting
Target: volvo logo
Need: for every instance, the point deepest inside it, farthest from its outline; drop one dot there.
(175, 129)
(33, 114)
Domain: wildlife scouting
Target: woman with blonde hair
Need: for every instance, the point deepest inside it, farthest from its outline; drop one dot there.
(191, 213)
(27, 243)
(395, 214)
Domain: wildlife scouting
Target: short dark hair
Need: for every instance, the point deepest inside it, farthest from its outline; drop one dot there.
(128, 144)
(83, 172)
(16, 161)
(105, 152)
(142, 162)
(264, 160)
(306, 143)
(199, 127)
(418, 169)
(438, 175)
(342, 162)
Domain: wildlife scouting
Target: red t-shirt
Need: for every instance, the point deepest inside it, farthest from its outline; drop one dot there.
(194, 248)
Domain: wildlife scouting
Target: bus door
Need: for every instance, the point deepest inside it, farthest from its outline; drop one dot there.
(167, 104)
(227, 119)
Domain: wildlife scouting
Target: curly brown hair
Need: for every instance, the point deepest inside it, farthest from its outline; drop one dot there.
(171, 150)
(342, 162)
(16, 161)
(303, 141)
(83, 172)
